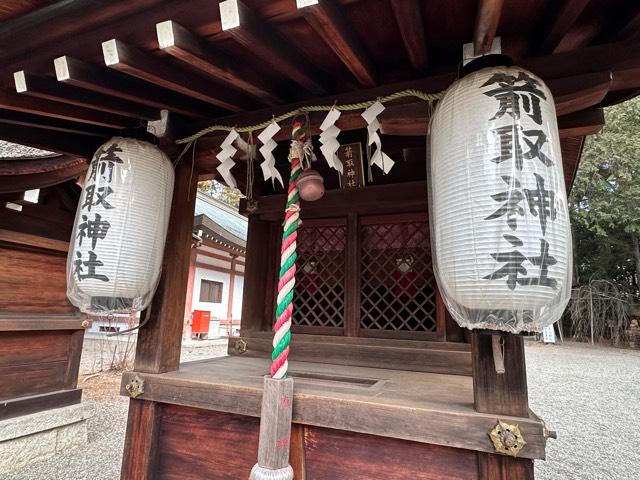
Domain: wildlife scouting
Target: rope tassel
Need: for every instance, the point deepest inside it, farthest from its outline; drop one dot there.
(277, 396)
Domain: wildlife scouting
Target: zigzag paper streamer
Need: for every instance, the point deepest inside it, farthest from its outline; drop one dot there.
(328, 140)
(269, 170)
(226, 158)
(379, 158)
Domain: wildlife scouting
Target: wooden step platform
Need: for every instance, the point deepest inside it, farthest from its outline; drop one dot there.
(420, 407)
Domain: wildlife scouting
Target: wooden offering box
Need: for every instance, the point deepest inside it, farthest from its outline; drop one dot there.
(386, 386)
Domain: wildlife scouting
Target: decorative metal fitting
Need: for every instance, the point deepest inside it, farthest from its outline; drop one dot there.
(135, 387)
(85, 324)
(252, 205)
(240, 346)
(507, 439)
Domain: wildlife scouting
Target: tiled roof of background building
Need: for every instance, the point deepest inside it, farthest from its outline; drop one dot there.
(10, 150)
(222, 214)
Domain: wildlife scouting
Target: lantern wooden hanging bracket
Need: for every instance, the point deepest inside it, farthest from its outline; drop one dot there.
(159, 128)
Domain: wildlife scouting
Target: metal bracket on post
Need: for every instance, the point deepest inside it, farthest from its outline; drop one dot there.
(497, 346)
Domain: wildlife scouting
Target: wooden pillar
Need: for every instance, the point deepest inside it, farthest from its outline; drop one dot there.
(159, 340)
(352, 279)
(188, 304)
(257, 282)
(232, 281)
(158, 347)
(501, 394)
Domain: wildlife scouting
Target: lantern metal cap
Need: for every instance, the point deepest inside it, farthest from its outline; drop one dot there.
(491, 60)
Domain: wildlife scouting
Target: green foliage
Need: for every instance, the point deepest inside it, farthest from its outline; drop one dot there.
(219, 191)
(605, 200)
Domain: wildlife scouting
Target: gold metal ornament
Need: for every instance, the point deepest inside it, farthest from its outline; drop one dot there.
(85, 323)
(135, 387)
(252, 205)
(507, 439)
(240, 346)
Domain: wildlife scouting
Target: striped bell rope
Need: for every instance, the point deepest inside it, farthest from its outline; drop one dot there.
(288, 256)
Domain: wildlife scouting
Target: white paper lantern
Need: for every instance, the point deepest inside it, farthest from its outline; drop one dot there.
(118, 238)
(501, 238)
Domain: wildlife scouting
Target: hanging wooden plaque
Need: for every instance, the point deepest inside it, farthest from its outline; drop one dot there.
(353, 172)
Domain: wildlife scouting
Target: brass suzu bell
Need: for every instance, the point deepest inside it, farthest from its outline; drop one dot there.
(310, 185)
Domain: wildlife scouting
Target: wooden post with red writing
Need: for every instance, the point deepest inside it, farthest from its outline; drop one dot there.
(275, 424)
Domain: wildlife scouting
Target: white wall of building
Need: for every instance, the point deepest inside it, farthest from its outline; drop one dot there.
(218, 310)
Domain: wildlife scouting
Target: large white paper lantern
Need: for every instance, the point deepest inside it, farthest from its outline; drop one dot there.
(118, 238)
(501, 238)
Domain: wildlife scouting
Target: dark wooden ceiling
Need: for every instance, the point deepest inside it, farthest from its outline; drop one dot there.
(588, 51)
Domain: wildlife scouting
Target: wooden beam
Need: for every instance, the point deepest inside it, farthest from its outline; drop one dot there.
(571, 148)
(580, 124)
(26, 119)
(26, 166)
(60, 142)
(222, 257)
(224, 248)
(110, 82)
(50, 89)
(11, 100)
(487, 20)
(561, 22)
(621, 59)
(180, 43)
(132, 61)
(630, 29)
(408, 14)
(20, 183)
(255, 34)
(62, 20)
(571, 94)
(215, 268)
(15, 323)
(39, 403)
(330, 24)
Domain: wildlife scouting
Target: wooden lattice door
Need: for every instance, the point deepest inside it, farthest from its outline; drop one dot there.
(398, 292)
(319, 292)
(391, 293)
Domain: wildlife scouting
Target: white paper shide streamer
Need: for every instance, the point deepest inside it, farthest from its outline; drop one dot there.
(118, 238)
(378, 157)
(501, 238)
(268, 166)
(329, 139)
(226, 158)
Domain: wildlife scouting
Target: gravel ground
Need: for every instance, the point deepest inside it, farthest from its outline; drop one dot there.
(589, 395)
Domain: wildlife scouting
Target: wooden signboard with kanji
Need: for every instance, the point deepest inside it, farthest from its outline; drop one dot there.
(353, 172)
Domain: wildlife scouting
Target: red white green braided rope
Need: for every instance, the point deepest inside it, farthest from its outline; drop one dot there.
(288, 256)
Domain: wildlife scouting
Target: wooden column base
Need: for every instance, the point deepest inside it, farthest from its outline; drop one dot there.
(498, 467)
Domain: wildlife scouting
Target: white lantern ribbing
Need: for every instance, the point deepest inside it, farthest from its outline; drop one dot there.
(501, 238)
(117, 243)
